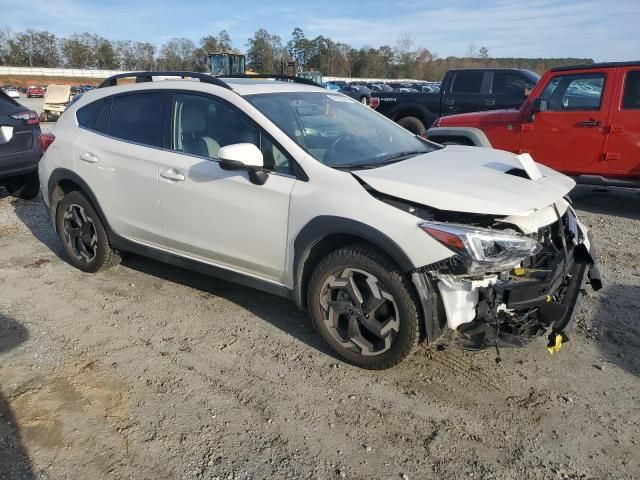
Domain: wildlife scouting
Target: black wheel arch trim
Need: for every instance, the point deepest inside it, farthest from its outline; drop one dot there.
(324, 226)
(61, 174)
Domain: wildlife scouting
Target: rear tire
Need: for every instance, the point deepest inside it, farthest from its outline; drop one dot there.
(365, 307)
(83, 235)
(414, 125)
(26, 187)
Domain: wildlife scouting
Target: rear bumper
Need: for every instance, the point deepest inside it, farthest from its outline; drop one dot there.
(20, 163)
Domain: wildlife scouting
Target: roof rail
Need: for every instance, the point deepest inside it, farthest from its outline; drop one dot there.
(282, 78)
(142, 77)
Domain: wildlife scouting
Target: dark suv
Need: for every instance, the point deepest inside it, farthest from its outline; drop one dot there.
(20, 148)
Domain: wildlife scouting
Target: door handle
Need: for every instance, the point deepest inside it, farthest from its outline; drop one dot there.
(88, 157)
(590, 123)
(172, 175)
(449, 101)
(490, 102)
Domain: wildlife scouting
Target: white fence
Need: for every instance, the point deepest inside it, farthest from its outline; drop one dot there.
(57, 72)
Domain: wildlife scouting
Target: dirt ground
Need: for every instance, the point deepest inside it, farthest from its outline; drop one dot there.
(148, 371)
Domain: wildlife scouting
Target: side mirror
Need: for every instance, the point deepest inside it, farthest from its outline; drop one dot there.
(243, 156)
(6, 134)
(537, 105)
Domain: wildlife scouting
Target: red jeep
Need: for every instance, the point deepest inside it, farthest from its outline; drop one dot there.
(583, 121)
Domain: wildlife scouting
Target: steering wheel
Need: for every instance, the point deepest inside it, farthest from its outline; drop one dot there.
(331, 150)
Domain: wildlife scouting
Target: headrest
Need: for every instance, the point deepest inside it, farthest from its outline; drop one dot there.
(193, 119)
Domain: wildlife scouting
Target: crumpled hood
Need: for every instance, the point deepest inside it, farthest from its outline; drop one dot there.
(468, 179)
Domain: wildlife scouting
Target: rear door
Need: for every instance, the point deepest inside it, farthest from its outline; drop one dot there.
(117, 156)
(508, 90)
(623, 143)
(467, 92)
(569, 133)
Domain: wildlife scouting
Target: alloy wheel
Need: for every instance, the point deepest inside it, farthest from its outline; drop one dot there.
(358, 312)
(80, 233)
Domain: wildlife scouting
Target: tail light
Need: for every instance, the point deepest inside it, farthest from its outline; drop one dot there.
(374, 102)
(45, 140)
(29, 117)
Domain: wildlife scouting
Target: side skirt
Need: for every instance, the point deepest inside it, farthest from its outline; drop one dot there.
(125, 245)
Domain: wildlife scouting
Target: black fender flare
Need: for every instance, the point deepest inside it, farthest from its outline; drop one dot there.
(324, 226)
(60, 174)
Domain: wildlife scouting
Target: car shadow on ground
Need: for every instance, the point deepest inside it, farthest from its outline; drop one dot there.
(14, 461)
(33, 214)
(617, 326)
(621, 202)
(280, 312)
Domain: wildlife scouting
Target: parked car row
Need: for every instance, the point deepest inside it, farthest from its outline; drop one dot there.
(38, 91)
(361, 91)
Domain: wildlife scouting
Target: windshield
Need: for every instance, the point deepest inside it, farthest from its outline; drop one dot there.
(339, 131)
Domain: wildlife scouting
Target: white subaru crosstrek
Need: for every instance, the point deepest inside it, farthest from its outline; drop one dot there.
(386, 238)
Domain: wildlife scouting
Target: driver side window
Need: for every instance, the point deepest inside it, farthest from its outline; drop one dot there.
(203, 125)
(574, 92)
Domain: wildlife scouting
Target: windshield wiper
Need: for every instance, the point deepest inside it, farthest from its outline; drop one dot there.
(396, 157)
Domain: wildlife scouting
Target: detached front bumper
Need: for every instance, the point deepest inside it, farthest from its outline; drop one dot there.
(512, 308)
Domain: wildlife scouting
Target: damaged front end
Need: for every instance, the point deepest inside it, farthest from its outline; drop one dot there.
(506, 285)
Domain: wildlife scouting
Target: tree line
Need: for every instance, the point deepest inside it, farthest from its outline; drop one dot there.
(265, 52)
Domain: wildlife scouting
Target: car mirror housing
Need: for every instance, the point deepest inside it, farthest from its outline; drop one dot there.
(6, 134)
(244, 156)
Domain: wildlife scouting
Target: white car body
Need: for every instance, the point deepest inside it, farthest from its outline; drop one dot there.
(12, 92)
(256, 232)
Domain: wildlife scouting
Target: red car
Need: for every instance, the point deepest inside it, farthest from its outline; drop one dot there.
(583, 121)
(35, 91)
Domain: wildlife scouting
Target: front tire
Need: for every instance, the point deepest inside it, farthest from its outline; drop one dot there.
(365, 307)
(83, 235)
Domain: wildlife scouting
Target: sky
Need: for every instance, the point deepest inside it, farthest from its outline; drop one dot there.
(602, 30)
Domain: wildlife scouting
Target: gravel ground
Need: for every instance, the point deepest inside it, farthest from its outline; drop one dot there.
(150, 371)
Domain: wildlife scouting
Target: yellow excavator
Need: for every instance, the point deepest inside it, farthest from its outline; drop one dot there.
(226, 64)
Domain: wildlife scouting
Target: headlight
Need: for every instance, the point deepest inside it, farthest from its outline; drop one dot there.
(482, 249)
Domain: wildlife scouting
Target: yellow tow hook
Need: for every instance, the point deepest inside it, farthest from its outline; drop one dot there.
(555, 344)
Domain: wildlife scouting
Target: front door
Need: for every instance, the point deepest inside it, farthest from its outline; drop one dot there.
(568, 134)
(623, 145)
(220, 215)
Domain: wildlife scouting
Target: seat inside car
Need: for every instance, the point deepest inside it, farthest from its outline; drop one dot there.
(193, 134)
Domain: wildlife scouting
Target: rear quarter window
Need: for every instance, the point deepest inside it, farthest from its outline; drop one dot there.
(86, 115)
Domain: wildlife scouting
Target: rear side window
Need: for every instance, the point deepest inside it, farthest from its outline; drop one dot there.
(138, 118)
(87, 115)
(631, 98)
(505, 83)
(6, 102)
(467, 82)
